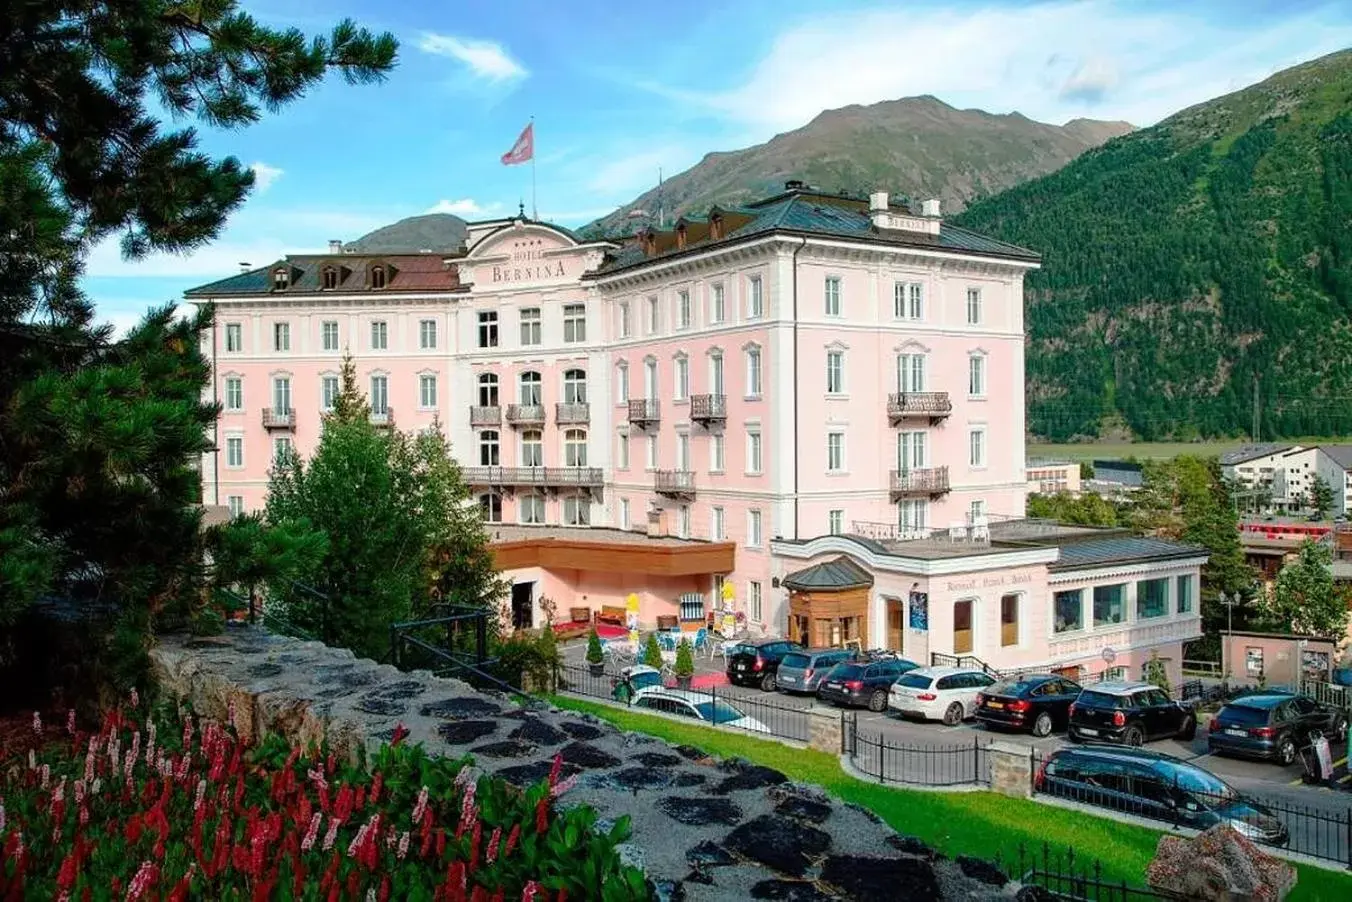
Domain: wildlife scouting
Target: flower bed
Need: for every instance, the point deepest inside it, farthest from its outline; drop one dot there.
(175, 807)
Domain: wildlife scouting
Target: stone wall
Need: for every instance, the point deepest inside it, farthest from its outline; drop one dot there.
(704, 829)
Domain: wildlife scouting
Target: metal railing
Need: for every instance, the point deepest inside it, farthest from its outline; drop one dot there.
(526, 414)
(540, 477)
(1328, 693)
(674, 482)
(704, 408)
(572, 413)
(1202, 668)
(644, 411)
(279, 418)
(890, 761)
(485, 415)
(1063, 876)
(923, 404)
(925, 481)
(887, 532)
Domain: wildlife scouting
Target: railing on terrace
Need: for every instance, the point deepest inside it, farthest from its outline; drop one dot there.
(644, 412)
(925, 481)
(485, 415)
(542, 477)
(887, 532)
(707, 409)
(572, 413)
(888, 760)
(930, 405)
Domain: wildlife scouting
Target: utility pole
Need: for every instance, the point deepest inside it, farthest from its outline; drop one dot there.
(1257, 409)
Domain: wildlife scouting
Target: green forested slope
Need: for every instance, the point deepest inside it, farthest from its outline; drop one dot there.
(1184, 261)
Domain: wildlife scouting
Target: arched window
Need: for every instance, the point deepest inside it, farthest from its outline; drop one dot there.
(531, 393)
(491, 506)
(575, 448)
(377, 277)
(488, 448)
(330, 278)
(532, 448)
(488, 390)
(575, 387)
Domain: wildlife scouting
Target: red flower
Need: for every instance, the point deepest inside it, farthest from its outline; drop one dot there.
(400, 733)
(511, 840)
(542, 815)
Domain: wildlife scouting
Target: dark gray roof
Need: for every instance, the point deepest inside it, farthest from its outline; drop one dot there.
(1102, 552)
(1251, 452)
(1341, 454)
(842, 573)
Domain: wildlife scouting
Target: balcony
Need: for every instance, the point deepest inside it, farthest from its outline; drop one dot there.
(279, 418)
(525, 414)
(575, 414)
(510, 478)
(645, 412)
(918, 405)
(675, 484)
(924, 483)
(709, 410)
(485, 415)
(383, 417)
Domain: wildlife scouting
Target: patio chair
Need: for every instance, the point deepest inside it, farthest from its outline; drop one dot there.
(666, 641)
(701, 642)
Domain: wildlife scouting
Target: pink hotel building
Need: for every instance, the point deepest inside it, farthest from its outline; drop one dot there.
(815, 398)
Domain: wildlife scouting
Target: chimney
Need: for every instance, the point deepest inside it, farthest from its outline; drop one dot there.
(335, 246)
(647, 239)
(878, 211)
(930, 207)
(877, 201)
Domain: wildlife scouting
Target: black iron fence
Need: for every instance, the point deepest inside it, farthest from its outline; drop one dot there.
(1066, 875)
(889, 761)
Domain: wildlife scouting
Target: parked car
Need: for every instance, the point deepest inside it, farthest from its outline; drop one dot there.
(802, 671)
(1129, 713)
(939, 693)
(1154, 785)
(634, 678)
(755, 662)
(862, 683)
(1272, 726)
(697, 705)
(1038, 702)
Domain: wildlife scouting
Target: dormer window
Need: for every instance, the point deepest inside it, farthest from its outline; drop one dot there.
(329, 278)
(680, 236)
(377, 277)
(716, 227)
(281, 279)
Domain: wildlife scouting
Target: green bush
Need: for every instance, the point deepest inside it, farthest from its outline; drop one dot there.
(1156, 673)
(652, 652)
(685, 659)
(594, 653)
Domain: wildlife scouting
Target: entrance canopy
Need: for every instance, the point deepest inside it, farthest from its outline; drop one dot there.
(832, 576)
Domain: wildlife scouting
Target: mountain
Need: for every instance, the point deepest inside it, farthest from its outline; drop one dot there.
(918, 147)
(432, 231)
(1195, 267)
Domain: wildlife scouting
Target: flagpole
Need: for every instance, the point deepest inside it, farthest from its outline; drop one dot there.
(534, 211)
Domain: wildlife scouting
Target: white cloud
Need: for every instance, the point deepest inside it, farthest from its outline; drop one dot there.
(488, 60)
(1091, 81)
(637, 171)
(264, 176)
(124, 320)
(466, 206)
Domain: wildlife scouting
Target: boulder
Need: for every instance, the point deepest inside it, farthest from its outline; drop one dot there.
(1219, 865)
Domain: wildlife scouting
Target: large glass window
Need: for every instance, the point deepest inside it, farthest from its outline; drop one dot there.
(574, 322)
(1152, 598)
(1185, 594)
(234, 393)
(1110, 604)
(488, 329)
(530, 326)
(835, 372)
(380, 335)
(380, 394)
(833, 296)
(1069, 615)
(532, 448)
(328, 391)
(753, 372)
(427, 334)
(575, 448)
(427, 391)
(489, 455)
(328, 334)
(531, 393)
(234, 337)
(531, 509)
(488, 390)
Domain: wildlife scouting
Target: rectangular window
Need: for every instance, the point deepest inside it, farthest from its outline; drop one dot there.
(234, 341)
(835, 522)
(976, 376)
(911, 447)
(622, 384)
(683, 451)
(1152, 598)
(974, 306)
(328, 391)
(281, 449)
(234, 451)
(574, 323)
(682, 310)
(753, 529)
(281, 336)
(281, 394)
(622, 452)
(976, 510)
(755, 301)
(753, 372)
(753, 601)
(682, 379)
(380, 335)
(833, 296)
(488, 329)
(380, 394)
(1110, 604)
(976, 448)
(1185, 594)
(908, 300)
(234, 393)
(625, 522)
(1069, 612)
(716, 453)
(717, 525)
(652, 316)
(427, 334)
(650, 453)
(490, 507)
(576, 511)
(912, 514)
(530, 327)
(753, 453)
(835, 372)
(328, 335)
(427, 391)
(835, 452)
(236, 504)
(531, 509)
(718, 310)
(683, 522)
(910, 373)
(624, 320)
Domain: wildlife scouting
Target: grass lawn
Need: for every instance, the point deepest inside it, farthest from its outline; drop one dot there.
(956, 823)
(1147, 450)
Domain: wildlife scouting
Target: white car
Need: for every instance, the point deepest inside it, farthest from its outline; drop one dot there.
(697, 705)
(938, 693)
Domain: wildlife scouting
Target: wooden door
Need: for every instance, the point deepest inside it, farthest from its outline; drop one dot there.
(962, 627)
(1009, 620)
(896, 625)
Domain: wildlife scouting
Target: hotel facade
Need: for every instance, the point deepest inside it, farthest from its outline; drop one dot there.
(815, 400)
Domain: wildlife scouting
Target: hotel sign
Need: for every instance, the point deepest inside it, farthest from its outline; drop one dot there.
(527, 265)
(990, 582)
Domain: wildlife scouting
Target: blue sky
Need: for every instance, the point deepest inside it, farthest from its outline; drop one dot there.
(620, 89)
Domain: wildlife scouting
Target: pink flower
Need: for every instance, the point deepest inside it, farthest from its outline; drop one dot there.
(70, 721)
(308, 842)
(421, 805)
(230, 713)
(32, 760)
(46, 775)
(201, 793)
(332, 833)
(135, 699)
(2, 817)
(403, 845)
(563, 786)
(532, 889)
(37, 722)
(491, 854)
(96, 786)
(141, 882)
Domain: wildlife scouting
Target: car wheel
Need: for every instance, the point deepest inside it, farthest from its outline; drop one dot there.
(877, 702)
(769, 684)
(953, 715)
(1189, 729)
(1133, 737)
(1286, 751)
(1043, 725)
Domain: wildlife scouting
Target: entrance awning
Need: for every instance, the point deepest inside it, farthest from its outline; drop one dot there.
(831, 576)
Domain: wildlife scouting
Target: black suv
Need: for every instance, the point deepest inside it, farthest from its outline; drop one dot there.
(754, 663)
(1272, 725)
(1129, 713)
(862, 683)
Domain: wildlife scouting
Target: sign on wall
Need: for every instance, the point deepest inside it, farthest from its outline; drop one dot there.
(919, 611)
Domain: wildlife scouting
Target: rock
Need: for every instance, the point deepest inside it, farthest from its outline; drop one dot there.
(463, 732)
(911, 846)
(782, 843)
(690, 753)
(686, 780)
(508, 748)
(525, 775)
(697, 811)
(385, 707)
(263, 671)
(982, 870)
(667, 890)
(789, 891)
(538, 732)
(657, 759)
(1219, 864)
(463, 708)
(752, 776)
(1035, 893)
(704, 878)
(346, 675)
(802, 807)
(635, 778)
(864, 878)
(579, 730)
(584, 755)
(631, 855)
(404, 689)
(707, 853)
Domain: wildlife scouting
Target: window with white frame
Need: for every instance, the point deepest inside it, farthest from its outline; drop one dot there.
(753, 601)
(328, 392)
(488, 390)
(908, 300)
(427, 391)
(976, 376)
(835, 522)
(489, 449)
(911, 448)
(912, 514)
(976, 510)
(532, 448)
(236, 504)
(650, 453)
(281, 336)
(281, 278)
(281, 449)
(575, 448)
(234, 451)
(281, 394)
(625, 325)
(753, 372)
(976, 447)
(625, 521)
(716, 381)
(833, 295)
(911, 372)
(683, 313)
(974, 306)
(328, 335)
(683, 451)
(575, 386)
(574, 323)
(380, 335)
(717, 451)
(380, 394)
(835, 452)
(234, 393)
(755, 300)
(488, 328)
(530, 390)
(234, 342)
(576, 511)
(718, 306)
(753, 529)
(718, 528)
(427, 334)
(490, 506)
(835, 372)
(753, 453)
(622, 451)
(621, 382)
(530, 509)
(682, 379)
(683, 522)
(531, 333)
(652, 323)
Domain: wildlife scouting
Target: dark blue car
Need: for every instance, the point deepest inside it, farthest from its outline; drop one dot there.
(1272, 726)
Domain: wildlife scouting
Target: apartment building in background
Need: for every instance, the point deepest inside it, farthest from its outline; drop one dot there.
(695, 407)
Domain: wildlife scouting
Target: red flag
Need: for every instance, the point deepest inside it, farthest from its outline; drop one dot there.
(524, 148)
